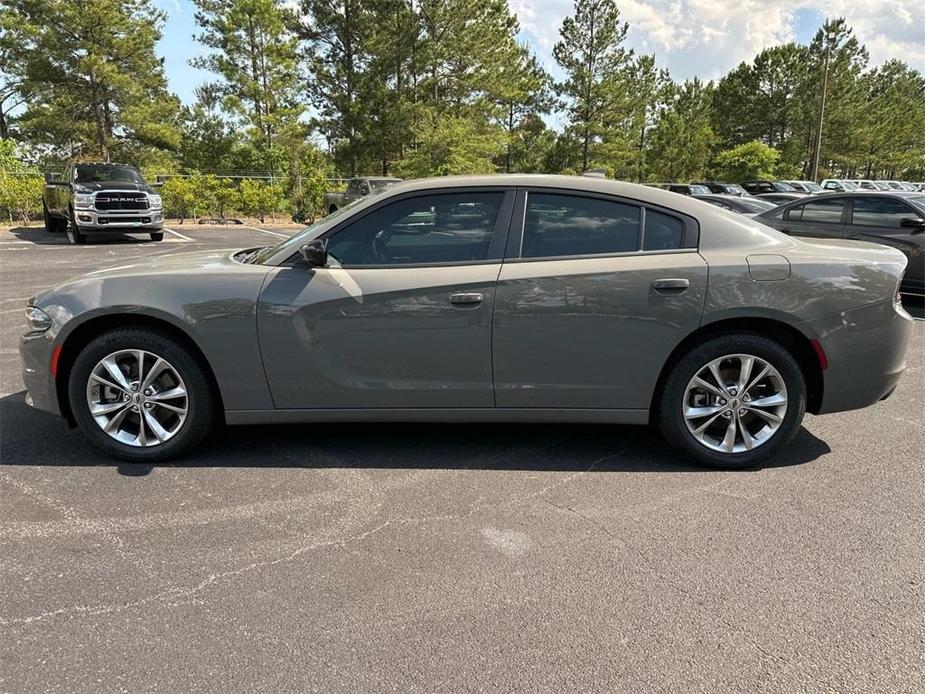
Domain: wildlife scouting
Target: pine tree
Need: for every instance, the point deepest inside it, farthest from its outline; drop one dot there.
(592, 56)
(94, 83)
(336, 36)
(254, 54)
(683, 139)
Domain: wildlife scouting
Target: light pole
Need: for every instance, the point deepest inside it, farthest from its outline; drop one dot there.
(829, 40)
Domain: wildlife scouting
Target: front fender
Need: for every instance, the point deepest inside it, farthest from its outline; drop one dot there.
(216, 312)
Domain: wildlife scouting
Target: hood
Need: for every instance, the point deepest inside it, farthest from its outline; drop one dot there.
(193, 262)
(94, 186)
(167, 267)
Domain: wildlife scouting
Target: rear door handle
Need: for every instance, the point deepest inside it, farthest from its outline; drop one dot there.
(466, 299)
(671, 285)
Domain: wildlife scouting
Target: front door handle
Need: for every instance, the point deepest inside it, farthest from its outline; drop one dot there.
(466, 299)
(671, 285)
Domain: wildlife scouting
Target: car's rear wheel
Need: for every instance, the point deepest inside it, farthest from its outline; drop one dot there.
(732, 401)
(139, 395)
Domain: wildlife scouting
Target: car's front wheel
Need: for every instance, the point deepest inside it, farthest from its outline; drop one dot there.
(157, 235)
(732, 401)
(140, 395)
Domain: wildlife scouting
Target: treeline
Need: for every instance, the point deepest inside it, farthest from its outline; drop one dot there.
(351, 87)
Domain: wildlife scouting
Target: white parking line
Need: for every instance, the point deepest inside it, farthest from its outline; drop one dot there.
(177, 233)
(265, 231)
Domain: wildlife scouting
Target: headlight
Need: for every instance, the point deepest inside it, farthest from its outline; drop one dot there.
(83, 202)
(37, 320)
(155, 201)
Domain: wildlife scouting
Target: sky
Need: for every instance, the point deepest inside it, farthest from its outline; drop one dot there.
(691, 38)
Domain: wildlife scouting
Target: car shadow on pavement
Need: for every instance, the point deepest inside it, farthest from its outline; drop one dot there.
(32, 438)
(40, 237)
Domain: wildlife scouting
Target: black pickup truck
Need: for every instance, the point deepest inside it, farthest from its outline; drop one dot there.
(89, 198)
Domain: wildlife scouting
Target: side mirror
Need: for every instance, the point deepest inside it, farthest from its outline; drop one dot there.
(314, 253)
(914, 222)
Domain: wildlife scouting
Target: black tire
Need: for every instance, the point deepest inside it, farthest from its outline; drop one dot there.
(74, 234)
(51, 225)
(200, 401)
(157, 235)
(669, 408)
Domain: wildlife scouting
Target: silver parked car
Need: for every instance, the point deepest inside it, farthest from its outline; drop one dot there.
(489, 298)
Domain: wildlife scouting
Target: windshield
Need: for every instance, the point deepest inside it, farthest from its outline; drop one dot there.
(377, 184)
(918, 201)
(294, 242)
(783, 187)
(811, 187)
(699, 190)
(106, 172)
(755, 204)
(736, 190)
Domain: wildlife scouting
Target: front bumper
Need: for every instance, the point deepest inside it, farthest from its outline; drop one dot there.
(866, 350)
(142, 220)
(41, 390)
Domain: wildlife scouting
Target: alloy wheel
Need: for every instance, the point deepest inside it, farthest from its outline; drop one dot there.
(137, 398)
(735, 403)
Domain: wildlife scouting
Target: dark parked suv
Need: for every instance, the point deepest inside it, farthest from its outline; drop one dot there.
(894, 219)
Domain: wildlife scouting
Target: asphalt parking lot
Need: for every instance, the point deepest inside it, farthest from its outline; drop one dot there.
(451, 558)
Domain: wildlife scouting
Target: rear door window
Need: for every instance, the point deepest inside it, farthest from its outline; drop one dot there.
(663, 232)
(825, 211)
(565, 225)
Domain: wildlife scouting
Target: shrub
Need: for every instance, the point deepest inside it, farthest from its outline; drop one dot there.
(179, 196)
(20, 196)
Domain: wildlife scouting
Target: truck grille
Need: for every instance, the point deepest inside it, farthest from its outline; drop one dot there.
(121, 201)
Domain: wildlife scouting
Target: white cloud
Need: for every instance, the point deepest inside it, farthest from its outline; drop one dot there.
(707, 38)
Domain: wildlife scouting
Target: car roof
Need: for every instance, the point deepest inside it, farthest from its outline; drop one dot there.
(642, 193)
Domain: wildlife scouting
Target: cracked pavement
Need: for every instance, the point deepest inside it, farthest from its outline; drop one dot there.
(465, 558)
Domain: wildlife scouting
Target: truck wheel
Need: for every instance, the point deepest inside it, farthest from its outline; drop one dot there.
(157, 235)
(332, 209)
(49, 222)
(73, 232)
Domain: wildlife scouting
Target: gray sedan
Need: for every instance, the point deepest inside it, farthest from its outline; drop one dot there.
(475, 299)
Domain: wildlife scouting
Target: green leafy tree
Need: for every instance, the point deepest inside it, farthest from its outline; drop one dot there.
(758, 100)
(591, 54)
(255, 55)
(94, 83)
(751, 160)
(683, 139)
(451, 145)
